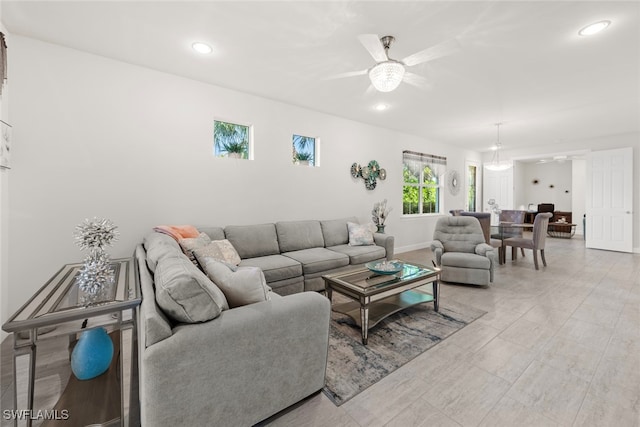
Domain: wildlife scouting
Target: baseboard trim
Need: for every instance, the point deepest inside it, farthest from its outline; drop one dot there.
(410, 248)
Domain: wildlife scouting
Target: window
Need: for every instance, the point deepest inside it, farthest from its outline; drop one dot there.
(304, 150)
(421, 189)
(231, 140)
(472, 171)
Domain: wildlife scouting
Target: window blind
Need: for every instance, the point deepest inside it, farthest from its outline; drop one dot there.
(416, 161)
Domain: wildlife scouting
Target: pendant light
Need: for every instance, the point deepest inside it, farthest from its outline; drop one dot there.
(496, 164)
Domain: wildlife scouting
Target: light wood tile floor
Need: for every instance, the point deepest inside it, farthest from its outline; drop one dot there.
(557, 347)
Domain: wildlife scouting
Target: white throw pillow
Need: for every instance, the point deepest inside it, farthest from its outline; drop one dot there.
(244, 286)
(359, 234)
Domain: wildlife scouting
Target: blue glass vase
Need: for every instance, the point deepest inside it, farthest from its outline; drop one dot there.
(92, 354)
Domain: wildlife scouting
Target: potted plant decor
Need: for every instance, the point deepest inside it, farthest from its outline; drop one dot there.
(235, 150)
(304, 158)
(379, 214)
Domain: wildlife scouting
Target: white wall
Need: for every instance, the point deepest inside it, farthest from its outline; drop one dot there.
(4, 198)
(95, 137)
(553, 173)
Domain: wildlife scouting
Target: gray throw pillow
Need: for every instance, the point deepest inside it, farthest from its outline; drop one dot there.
(189, 244)
(185, 293)
(158, 245)
(244, 286)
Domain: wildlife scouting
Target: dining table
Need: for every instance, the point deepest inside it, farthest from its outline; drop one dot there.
(505, 230)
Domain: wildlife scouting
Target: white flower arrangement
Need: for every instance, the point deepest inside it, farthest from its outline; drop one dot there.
(380, 212)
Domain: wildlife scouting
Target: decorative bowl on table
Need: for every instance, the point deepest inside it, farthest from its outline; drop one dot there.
(385, 267)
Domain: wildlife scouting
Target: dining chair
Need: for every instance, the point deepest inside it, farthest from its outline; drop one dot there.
(546, 207)
(536, 242)
(516, 217)
(485, 222)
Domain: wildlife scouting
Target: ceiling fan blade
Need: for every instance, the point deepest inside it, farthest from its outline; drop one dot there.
(372, 43)
(438, 51)
(370, 90)
(348, 74)
(415, 80)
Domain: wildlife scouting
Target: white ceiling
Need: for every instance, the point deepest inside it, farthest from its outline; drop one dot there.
(520, 63)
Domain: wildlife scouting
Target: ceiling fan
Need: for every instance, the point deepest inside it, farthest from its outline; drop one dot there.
(387, 74)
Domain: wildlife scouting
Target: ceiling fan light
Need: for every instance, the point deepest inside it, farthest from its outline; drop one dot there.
(594, 28)
(387, 75)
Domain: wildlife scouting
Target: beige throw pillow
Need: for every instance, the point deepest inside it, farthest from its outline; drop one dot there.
(220, 250)
(244, 286)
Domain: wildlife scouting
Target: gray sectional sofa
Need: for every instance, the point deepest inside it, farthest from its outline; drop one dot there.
(295, 254)
(252, 361)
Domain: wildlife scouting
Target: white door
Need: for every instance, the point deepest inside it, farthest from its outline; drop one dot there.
(497, 185)
(609, 223)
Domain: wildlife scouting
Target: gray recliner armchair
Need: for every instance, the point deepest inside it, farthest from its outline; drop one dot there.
(461, 252)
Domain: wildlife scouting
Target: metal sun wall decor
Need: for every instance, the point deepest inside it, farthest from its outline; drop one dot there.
(369, 173)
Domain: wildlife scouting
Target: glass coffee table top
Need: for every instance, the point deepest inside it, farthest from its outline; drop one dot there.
(376, 296)
(370, 282)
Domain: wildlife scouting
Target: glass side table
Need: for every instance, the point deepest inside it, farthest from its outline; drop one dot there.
(58, 309)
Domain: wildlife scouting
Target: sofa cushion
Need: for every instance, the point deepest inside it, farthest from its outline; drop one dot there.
(244, 286)
(220, 250)
(335, 231)
(214, 233)
(360, 254)
(253, 240)
(185, 293)
(465, 260)
(359, 234)
(275, 267)
(298, 235)
(189, 244)
(154, 321)
(157, 246)
(287, 286)
(314, 260)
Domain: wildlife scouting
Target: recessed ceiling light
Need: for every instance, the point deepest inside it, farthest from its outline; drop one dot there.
(381, 107)
(594, 28)
(201, 47)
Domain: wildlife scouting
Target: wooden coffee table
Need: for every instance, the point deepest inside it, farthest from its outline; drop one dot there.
(377, 296)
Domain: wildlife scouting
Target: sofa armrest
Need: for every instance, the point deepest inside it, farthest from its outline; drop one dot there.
(483, 249)
(387, 242)
(240, 368)
(438, 249)
(488, 251)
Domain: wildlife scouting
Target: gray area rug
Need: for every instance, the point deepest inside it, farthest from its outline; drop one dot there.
(352, 367)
